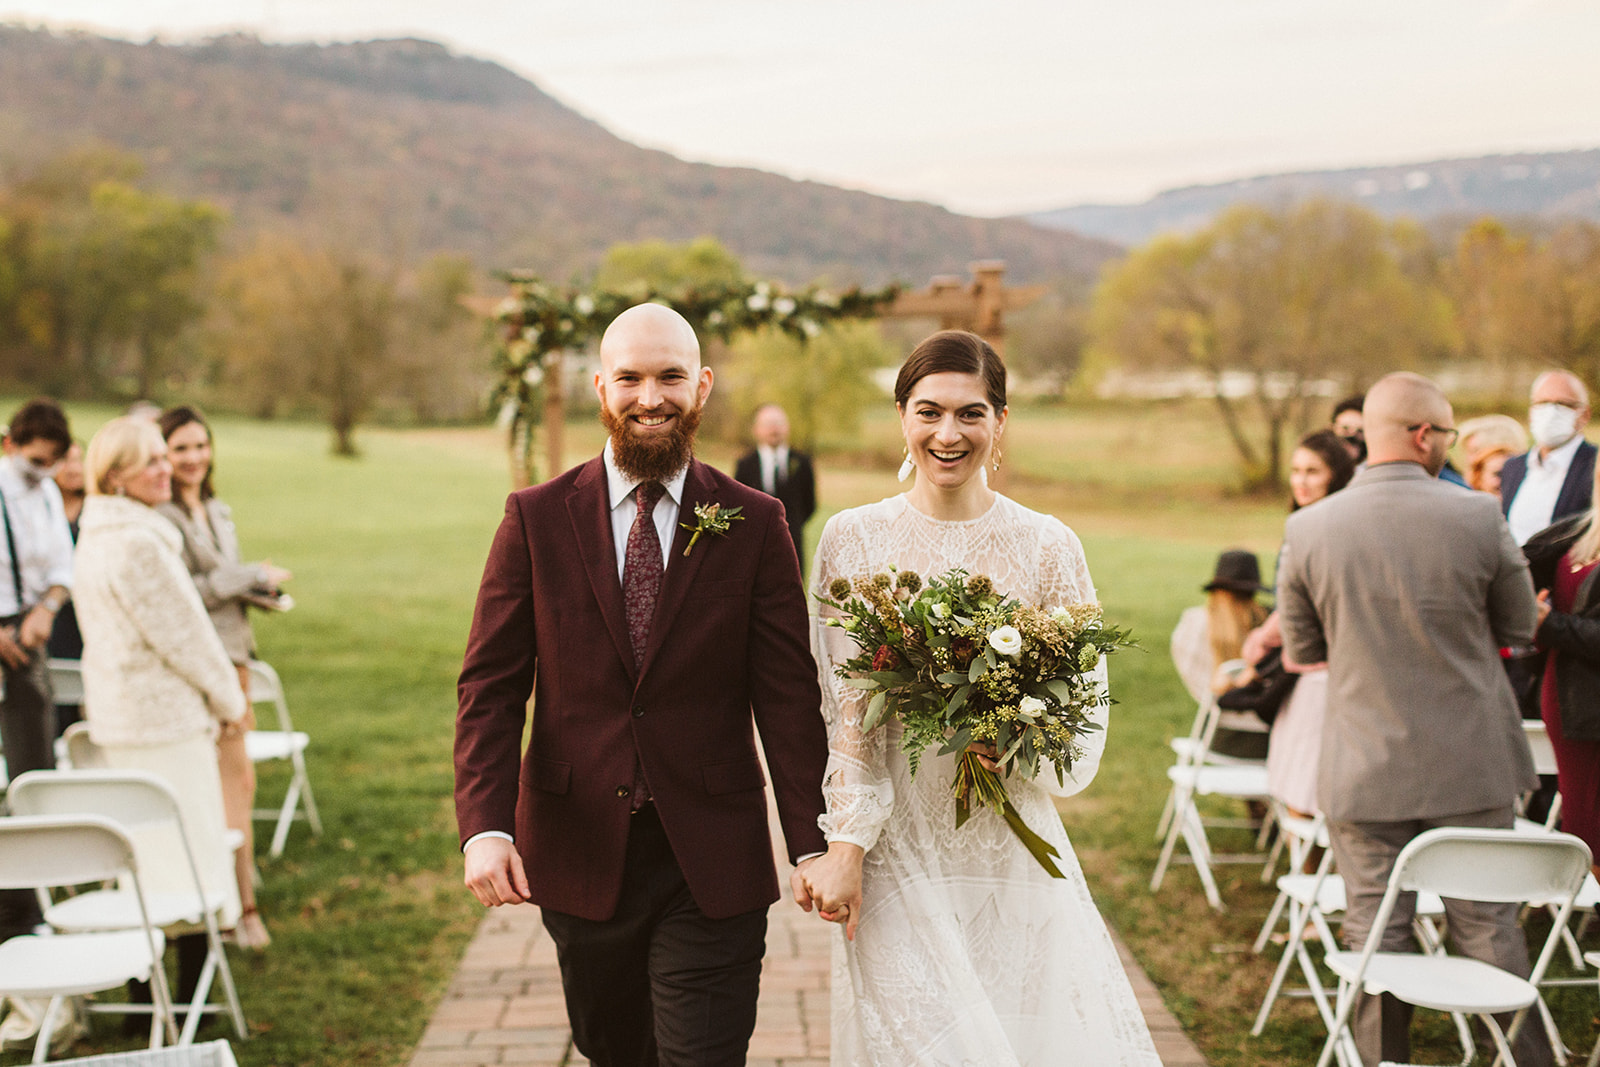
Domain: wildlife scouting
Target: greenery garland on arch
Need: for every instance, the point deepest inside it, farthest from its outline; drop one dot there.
(539, 322)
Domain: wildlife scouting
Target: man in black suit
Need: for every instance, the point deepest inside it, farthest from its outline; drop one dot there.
(778, 470)
(1556, 478)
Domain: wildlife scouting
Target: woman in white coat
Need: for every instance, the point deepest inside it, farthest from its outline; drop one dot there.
(158, 687)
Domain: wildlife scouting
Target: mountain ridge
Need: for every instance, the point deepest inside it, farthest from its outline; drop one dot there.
(1541, 186)
(407, 147)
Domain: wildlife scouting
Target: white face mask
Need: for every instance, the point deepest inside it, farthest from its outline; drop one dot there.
(33, 472)
(1552, 425)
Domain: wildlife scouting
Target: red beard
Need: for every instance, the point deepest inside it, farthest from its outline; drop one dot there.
(658, 457)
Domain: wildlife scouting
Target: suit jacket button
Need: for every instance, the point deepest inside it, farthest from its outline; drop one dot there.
(638, 711)
(623, 791)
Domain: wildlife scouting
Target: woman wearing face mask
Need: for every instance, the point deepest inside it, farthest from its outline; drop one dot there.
(211, 554)
(964, 950)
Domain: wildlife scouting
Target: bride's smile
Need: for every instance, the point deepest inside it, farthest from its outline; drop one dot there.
(951, 428)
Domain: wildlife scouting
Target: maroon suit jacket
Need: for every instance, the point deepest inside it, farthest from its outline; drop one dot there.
(728, 650)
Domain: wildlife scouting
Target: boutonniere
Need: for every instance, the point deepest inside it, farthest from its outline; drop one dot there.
(712, 519)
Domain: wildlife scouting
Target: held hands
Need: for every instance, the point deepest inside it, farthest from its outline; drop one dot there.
(494, 872)
(832, 881)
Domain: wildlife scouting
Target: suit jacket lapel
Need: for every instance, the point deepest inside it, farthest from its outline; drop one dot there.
(589, 507)
(681, 569)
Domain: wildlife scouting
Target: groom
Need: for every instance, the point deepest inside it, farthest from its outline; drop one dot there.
(637, 818)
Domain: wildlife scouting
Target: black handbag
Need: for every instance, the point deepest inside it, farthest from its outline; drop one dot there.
(1265, 693)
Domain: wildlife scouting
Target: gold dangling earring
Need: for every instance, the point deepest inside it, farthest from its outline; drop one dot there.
(906, 466)
(995, 453)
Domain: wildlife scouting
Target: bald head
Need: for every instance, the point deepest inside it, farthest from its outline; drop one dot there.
(1559, 386)
(1398, 411)
(650, 329)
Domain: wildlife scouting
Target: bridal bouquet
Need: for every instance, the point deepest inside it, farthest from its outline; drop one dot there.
(959, 664)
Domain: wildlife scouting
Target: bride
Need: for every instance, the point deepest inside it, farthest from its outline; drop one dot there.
(960, 949)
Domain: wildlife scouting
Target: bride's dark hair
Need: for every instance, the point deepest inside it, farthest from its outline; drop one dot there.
(954, 351)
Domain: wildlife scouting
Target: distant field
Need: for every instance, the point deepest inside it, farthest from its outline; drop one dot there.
(370, 919)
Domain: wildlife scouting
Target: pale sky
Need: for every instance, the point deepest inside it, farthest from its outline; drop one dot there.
(1000, 107)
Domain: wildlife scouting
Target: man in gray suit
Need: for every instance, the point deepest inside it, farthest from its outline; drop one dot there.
(1407, 587)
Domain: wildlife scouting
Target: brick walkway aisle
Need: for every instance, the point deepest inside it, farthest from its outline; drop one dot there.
(505, 1007)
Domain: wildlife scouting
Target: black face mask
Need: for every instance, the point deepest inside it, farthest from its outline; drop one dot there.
(1358, 442)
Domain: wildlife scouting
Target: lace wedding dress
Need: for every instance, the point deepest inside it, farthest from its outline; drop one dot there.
(968, 954)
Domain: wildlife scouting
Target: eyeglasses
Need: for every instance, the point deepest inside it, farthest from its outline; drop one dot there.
(1450, 432)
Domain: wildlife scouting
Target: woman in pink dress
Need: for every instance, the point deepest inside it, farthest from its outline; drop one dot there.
(1320, 466)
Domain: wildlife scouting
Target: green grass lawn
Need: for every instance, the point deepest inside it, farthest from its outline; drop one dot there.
(370, 919)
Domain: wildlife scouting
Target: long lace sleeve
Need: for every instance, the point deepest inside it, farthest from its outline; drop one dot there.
(1064, 579)
(856, 786)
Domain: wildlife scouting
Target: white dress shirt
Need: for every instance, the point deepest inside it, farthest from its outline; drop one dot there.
(1535, 503)
(44, 540)
(624, 508)
(773, 460)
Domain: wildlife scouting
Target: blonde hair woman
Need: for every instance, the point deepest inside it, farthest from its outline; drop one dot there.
(158, 688)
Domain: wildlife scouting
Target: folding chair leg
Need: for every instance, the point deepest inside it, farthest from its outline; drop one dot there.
(280, 832)
(1166, 814)
(305, 792)
(197, 1006)
(1274, 988)
(1194, 836)
(1271, 923)
(229, 991)
(1173, 829)
(47, 1027)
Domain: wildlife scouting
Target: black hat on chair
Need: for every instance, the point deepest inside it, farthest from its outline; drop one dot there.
(1238, 571)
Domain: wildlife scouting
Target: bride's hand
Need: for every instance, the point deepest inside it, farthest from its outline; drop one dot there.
(987, 755)
(833, 880)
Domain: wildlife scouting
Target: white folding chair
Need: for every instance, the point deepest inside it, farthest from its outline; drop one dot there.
(283, 743)
(66, 680)
(138, 802)
(1194, 748)
(1316, 900)
(1193, 777)
(46, 852)
(1500, 866)
(209, 1054)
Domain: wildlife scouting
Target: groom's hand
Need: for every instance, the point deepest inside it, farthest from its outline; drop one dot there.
(833, 883)
(494, 872)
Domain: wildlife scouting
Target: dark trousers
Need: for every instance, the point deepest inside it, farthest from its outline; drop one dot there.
(1365, 853)
(27, 735)
(659, 983)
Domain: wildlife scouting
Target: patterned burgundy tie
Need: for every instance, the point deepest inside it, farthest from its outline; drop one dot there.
(641, 569)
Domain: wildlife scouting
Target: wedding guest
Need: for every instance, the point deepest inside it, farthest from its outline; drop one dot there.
(776, 469)
(65, 640)
(1347, 423)
(158, 686)
(1483, 472)
(227, 586)
(1563, 561)
(1407, 588)
(1556, 478)
(1320, 467)
(1484, 432)
(1210, 635)
(35, 581)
